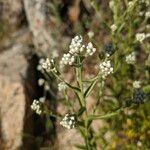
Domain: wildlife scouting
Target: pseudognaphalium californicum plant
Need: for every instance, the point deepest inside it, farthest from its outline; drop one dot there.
(116, 85)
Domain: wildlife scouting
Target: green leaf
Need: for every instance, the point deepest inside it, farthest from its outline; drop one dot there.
(147, 89)
(80, 146)
(80, 111)
(97, 117)
(73, 87)
(89, 89)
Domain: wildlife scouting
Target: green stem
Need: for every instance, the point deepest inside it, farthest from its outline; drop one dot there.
(80, 84)
(100, 96)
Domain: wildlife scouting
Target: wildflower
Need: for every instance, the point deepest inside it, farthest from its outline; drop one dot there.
(147, 35)
(69, 121)
(140, 37)
(39, 67)
(139, 143)
(42, 99)
(105, 69)
(48, 65)
(36, 106)
(46, 87)
(111, 4)
(109, 50)
(41, 82)
(138, 96)
(90, 49)
(147, 14)
(131, 58)
(90, 34)
(136, 84)
(62, 86)
(67, 59)
(113, 28)
(130, 4)
(76, 45)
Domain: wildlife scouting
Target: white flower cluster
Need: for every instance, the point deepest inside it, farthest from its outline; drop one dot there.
(113, 28)
(131, 4)
(76, 47)
(142, 36)
(90, 49)
(147, 14)
(36, 106)
(62, 86)
(105, 69)
(67, 59)
(131, 58)
(39, 67)
(111, 4)
(136, 84)
(68, 121)
(48, 65)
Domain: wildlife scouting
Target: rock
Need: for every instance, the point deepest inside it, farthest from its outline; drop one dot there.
(11, 12)
(12, 99)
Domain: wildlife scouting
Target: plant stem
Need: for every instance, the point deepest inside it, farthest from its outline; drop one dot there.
(80, 84)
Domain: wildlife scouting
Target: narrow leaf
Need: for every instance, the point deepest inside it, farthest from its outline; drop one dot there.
(89, 89)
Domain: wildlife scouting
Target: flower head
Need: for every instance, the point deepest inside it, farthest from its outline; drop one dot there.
(140, 37)
(41, 82)
(105, 69)
(69, 121)
(131, 58)
(136, 84)
(76, 45)
(113, 28)
(67, 59)
(36, 106)
(48, 65)
(62, 86)
(90, 49)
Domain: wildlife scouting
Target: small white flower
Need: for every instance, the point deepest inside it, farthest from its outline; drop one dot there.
(105, 69)
(140, 37)
(147, 14)
(139, 143)
(76, 45)
(68, 121)
(111, 4)
(113, 28)
(147, 35)
(90, 49)
(131, 58)
(41, 82)
(39, 67)
(48, 65)
(62, 86)
(67, 59)
(90, 34)
(42, 99)
(130, 4)
(36, 106)
(136, 84)
(46, 87)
